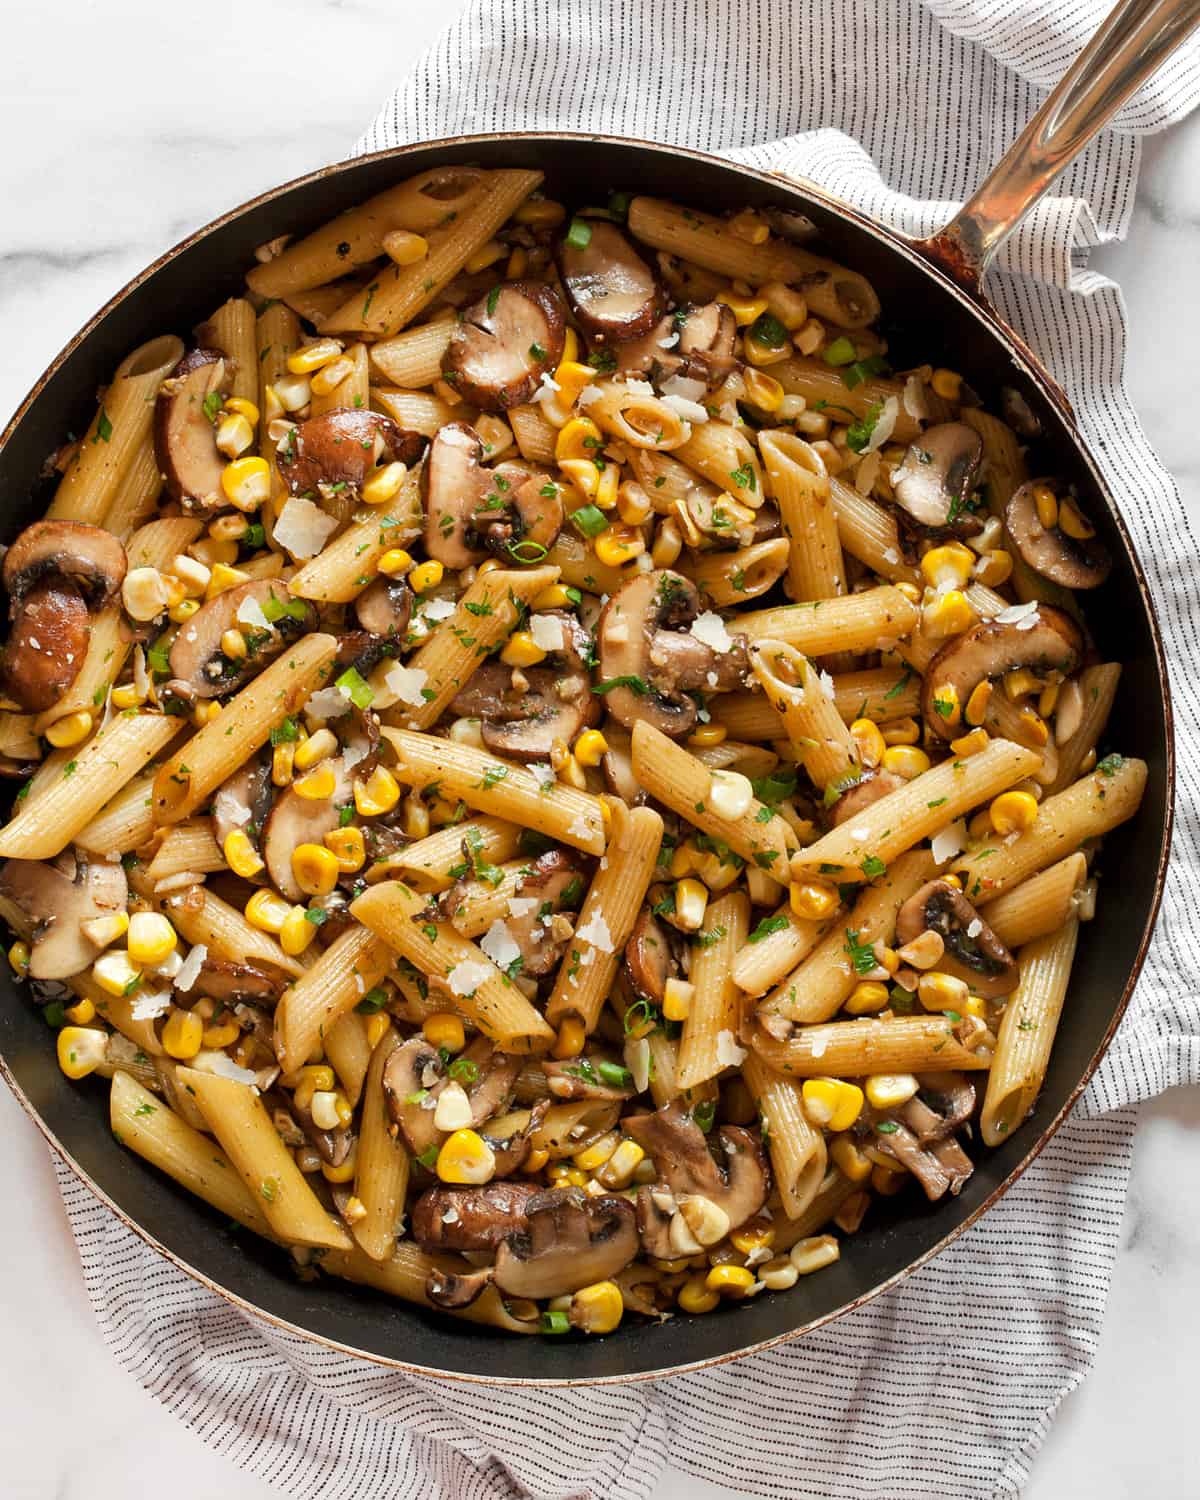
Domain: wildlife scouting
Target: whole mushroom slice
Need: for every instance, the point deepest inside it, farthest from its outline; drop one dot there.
(244, 799)
(556, 882)
(613, 293)
(937, 478)
(504, 343)
(1073, 562)
(232, 982)
(69, 552)
(385, 608)
(295, 820)
(416, 1076)
(333, 454)
(266, 616)
(651, 957)
(1045, 641)
(454, 488)
(520, 515)
(680, 1150)
(58, 898)
(868, 789)
(185, 433)
(973, 952)
(572, 1241)
(46, 647)
(471, 1218)
(649, 660)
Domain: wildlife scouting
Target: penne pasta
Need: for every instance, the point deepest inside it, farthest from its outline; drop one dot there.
(343, 569)
(413, 359)
(869, 532)
(137, 493)
(824, 390)
(536, 438)
(871, 621)
(798, 1154)
(201, 916)
(416, 411)
(725, 456)
(405, 1274)
(124, 823)
(796, 691)
(768, 956)
(800, 486)
(428, 864)
(186, 847)
(1098, 691)
(232, 332)
(348, 970)
(1039, 905)
(381, 1172)
(349, 1053)
(857, 1049)
(714, 1019)
(729, 578)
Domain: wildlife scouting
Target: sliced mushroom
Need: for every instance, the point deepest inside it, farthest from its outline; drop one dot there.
(1073, 562)
(68, 552)
(656, 1208)
(58, 898)
(581, 1078)
(612, 291)
(295, 820)
(262, 612)
(332, 1146)
(617, 766)
(941, 1167)
(385, 608)
(953, 1104)
(556, 882)
(681, 1155)
(185, 433)
(333, 454)
(471, 1218)
(650, 957)
(415, 1077)
(706, 345)
(505, 343)
(650, 659)
(510, 1147)
(973, 952)
(47, 647)
(454, 488)
(857, 798)
(243, 800)
(520, 514)
(231, 981)
(937, 478)
(1046, 641)
(573, 1240)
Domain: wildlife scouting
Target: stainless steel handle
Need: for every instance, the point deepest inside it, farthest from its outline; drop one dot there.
(1135, 39)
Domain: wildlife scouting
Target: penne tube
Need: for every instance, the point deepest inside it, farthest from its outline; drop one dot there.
(141, 1121)
(123, 824)
(857, 1049)
(798, 1155)
(413, 359)
(480, 903)
(484, 615)
(1096, 803)
(201, 916)
(1027, 1031)
(878, 693)
(764, 961)
(396, 295)
(316, 303)
(43, 826)
(231, 331)
(606, 920)
(823, 389)
(871, 621)
(352, 392)
(340, 572)
(137, 493)
(559, 1133)
(677, 779)
(382, 1165)
(343, 974)
(1039, 905)
(215, 752)
(349, 1053)
(239, 1120)
(455, 966)
(714, 1019)
(829, 1197)
(156, 544)
(641, 419)
(869, 532)
(417, 411)
(426, 865)
(822, 983)
(800, 485)
(189, 846)
(18, 737)
(664, 1068)
(1098, 686)
(116, 434)
(276, 337)
(816, 731)
(725, 456)
(831, 290)
(355, 238)
(858, 848)
(536, 438)
(493, 786)
(729, 578)
(405, 1274)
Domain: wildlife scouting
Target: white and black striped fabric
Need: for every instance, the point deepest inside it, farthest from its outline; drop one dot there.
(944, 1387)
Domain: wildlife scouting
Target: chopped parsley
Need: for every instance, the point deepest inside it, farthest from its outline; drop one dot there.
(862, 955)
(872, 867)
(767, 926)
(858, 434)
(493, 299)
(635, 684)
(372, 1002)
(1110, 765)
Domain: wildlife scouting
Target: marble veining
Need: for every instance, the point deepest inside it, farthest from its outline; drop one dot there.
(149, 122)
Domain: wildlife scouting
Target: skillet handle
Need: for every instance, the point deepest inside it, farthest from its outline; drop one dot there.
(1134, 40)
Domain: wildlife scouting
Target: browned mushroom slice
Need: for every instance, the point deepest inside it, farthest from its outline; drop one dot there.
(1075, 562)
(947, 1100)
(706, 341)
(262, 612)
(47, 646)
(572, 1241)
(860, 794)
(656, 1207)
(454, 1289)
(454, 489)
(520, 514)
(555, 883)
(588, 1078)
(333, 453)
(332, 1146)
(937, 479)
(295, 820)
(505, 343)
(973, 952)
(940, 1167)
(231, 981)
(411, 1074)
(650, 958)
(471, 1218)
(245, 798)
(58, 898)
(680, 1150)
(185, 434)
(617, 766)
(385, 608)
(511, 1147)
(69, 552)
(1046, 640)
(612, 291)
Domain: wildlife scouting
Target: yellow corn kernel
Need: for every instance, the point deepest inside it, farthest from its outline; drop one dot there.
(683, 860)
(114, 973)
(814, 1254)
(910, 591)
(518, 264)
(950, 565)
(18, 958)
(315, 869)
(182, 1035)
(217, 1038)
(233, 645)
(312, 356)
(691, 901)
(1033, 727)
(707, 735)
(583, 474)
(81, 1012)
(267, 911)
(1048, 700)
(938, 991)
(571, 377)
(405, 248)
(378, 794)
(80, 1050)
(181, 612)
(487, 255)
(224, 577)
(763, 391)
(1013, 812)
(785, 303)
(677, 999)
(425, 576)
(282, 759)
(994, 568)
(848, 1159)
(554, 597)
(619, 545)
(866, 998)
(730, 1281)
(444, 1029)
(521, 650)
(900, 732)
(869, 741)
(745, 309)
(590, 747)
(905, 760)
(1046, 503)
(540, 213)
(297, 932)
(571, 1036)
(311, 1079)
(831, 1103)
(151, 939)
(234, 435)
(947, 384)
(696, 1296)
(416, 817)
(144, 593)
(103, 931)
(317, 785)
(489, 565)
(953, 881)
(633, 503)
(243, 408)
(466, 1157)
(890, 1090)
(617, 1172)
(750, 226)
(395, 562)
(377, 1027)
(213, 550)
(247, 482)
(348, 848)
(970, 744)
(1020, 683)
(949, 614)
(314, 749)
(761, 354)
(383, 483)
(345, 1173)
(812, 900)
(579, 439)
(127, 695)
(595, 1155)
(977, 704)
(535, 1161)
(597, 1308)
(607, 487)
(1072, 520)
(754, 1235)
(71, 729)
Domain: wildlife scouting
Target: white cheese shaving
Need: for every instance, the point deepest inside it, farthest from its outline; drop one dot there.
(1015, 613)
(950, 841)
(818, 1046)
(683, 385)
(497, 943)
(669, 342)
(891, 556)
(637, 1060)
(250, 612)
(543, 773)
(438, 609)
(521, 906)
(450, 1216)
(351, 756)
(690, 411)
(974, 927)
(639, 388)
(709, 628)
(1028, 622)
(222, 1066)
(827, 686)
(885, 425)
(227, 808)
(303, 528)
(595, 931)
(151, 1004)
(328, 703)
(190, 969)
(580, 828)
(547, 632)
(406, 683)
(914, 400)
(729, 1054)
(466, 977)
(170, 966)
(586, 396)
(141, 678)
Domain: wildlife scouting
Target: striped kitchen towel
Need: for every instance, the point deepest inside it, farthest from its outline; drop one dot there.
(945, 1386)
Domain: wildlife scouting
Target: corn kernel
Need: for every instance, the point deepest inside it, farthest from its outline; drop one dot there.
(668, 543)
(182, 1035)
(677, 999)
(520, 650)
(707, 735)
(1020, 683)
(539, 213)
(571, 1036)
(554, 597)
(1048, 700)
(518, 264)
(404, 247)
(233, 645)
(848, 1159)
(867, 998)
(730, 1281)
(378, 794)
(394, 562)
(906, 761)
(597, 1308)
(938, 991)
(868, 741)
(282, 760)
(778, 1274)
(297, 932)
(127, 695)
(1013, 812)
(217, 1038)
(345, 1173)
(151, 939)
(71, 729)
(383, 483)
(947, 384)
(890, 1090)
(595, 1155)
(812, 900)
(977, 704)
(617, 1172)
(590, 747)
(224, 577)
(18, 958)
(746, 310)
(312, 356)
(267, 911)
(695, 1296)
(247, 482)
(1046, 503)
(103, 931)
(444, 1029)
(144, 593)
(619, 545)
(212, 550)
(571, 378)
(348, 848)
(114, 973)
(691, 901)
(579, 439)
(994, 568)
(970, 744)
(314, 749)
(831, 1103)
(315, 869)
(377, 1027)
(948, 566)
(234, 435)
(80, 1050)
(318, 785)
(466, 1157)
(1072, 520)
(425, 576)
(763, 391)
(81, 1012)
(948, 614)
(180, 613)
(900, 732)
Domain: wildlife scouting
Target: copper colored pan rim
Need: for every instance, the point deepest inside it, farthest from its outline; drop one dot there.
(1029, 363)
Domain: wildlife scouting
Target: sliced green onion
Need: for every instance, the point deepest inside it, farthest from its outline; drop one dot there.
(840, 352)
(579, 235)
(614, 1075)
(554, 1320)
(355, 688)
(589, 521)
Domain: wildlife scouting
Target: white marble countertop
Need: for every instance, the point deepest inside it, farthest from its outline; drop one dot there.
(127, 124)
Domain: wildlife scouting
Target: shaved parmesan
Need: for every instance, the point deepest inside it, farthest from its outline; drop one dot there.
(579, 827)
(407, 684)
(521, 906)
(438, 609)
(328, 703)
(223, 1067)
(639, 388)
(682, 385)
(497, 942)
(637, 1060)
(974, 927)
(190, 970)
(351, 756)
(595, 931)
(818, 1047)
(1016, 613)
(150, 1004)
(547, 632)
(690, 411)
(466, 977)
(586, 396)
(950, 841)
(303, 528)
(729, 1054)
(827, 686)
(709, 628)
(226, 807)
(250, 612)
(914, 399)
(885, 425)
(543, 773)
